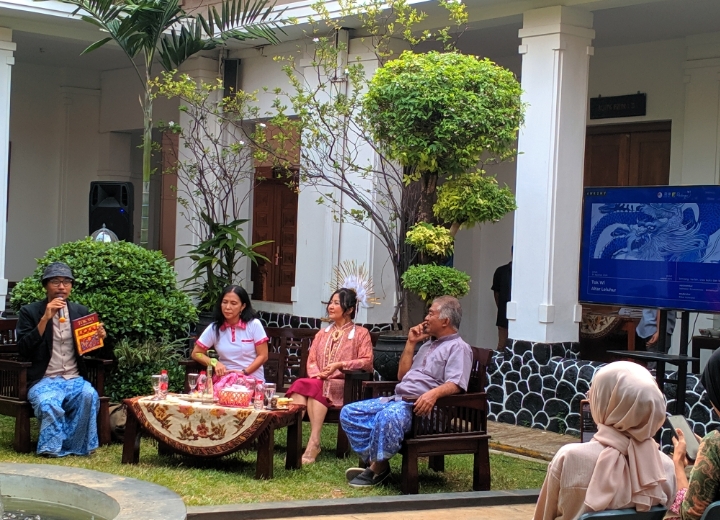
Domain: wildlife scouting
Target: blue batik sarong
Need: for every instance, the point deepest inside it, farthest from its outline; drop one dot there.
(376, 427)
(67, 410)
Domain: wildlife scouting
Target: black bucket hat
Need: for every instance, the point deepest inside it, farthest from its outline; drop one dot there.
(55, 270)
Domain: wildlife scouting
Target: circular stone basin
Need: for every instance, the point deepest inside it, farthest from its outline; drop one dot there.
(105, 496)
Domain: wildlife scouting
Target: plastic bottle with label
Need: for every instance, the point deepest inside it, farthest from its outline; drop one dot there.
(164, 383)
(259, 398)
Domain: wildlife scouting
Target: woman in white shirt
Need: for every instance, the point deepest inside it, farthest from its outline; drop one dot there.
(236, 335)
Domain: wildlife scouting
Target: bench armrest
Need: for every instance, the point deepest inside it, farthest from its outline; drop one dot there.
(10, 364)
(371, 389)
(353, 384)
(14, 377)
(96, 372)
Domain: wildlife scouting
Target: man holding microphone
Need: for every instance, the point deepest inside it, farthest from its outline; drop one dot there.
(63, 401)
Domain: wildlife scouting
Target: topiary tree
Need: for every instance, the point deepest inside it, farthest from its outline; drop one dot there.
(443, 116)
(431, 281)
(132, 289)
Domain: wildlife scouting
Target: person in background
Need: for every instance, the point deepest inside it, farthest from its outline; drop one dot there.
(236, 335)
(622, 466)
(63, 401)
(501, 287)
(340, 346)
(703, 488)
(648, 333)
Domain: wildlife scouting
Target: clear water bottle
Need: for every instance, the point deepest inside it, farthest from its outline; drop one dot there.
(164, 383)
(259, 398)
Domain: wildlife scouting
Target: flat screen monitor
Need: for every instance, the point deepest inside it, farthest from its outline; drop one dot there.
(651, 246)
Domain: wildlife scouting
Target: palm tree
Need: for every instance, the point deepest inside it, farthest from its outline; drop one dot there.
(162, 29)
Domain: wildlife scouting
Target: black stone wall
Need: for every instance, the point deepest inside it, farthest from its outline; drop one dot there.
(541, 385)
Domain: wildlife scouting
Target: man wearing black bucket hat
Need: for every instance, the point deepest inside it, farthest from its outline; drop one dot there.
(63, 401)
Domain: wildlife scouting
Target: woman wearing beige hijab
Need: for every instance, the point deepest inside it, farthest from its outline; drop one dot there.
(622, 466)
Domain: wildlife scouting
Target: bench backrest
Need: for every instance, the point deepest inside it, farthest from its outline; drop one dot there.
(288, 351)
(287, 355)
(8, 340)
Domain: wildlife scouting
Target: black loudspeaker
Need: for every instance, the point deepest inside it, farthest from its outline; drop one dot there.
(111, 205)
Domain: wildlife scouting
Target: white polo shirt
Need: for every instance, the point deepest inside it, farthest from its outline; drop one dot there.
(235, 345)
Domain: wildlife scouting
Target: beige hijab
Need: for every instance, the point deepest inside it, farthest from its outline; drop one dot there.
(629, 409)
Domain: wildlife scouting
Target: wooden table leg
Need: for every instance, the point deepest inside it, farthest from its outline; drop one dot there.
(265, 452)
(293, 459)
(131, 445)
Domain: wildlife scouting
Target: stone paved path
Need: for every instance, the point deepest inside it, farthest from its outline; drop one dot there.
(513, 512)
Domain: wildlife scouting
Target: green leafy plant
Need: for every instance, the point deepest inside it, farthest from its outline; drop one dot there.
(132, 289)
(162, 31)
(137, 361)
(431, 240)
(215, 260)
(430, 281)
(384, 140)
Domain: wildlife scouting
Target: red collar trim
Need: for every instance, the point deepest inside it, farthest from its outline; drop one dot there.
(240, 325)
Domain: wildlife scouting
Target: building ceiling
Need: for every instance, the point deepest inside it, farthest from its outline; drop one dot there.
(617, 26)
(497, 38)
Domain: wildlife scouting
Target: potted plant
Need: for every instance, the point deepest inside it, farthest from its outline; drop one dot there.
(216, 260)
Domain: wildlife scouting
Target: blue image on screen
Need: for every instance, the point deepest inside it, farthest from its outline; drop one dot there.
(656, 246)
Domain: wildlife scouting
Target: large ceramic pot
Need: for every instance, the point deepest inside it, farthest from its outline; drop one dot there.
(386, 355)
(205, 318)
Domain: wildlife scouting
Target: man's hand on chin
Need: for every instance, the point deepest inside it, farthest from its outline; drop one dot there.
(425, 403)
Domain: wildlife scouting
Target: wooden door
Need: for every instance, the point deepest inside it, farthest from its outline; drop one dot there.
(628, 155)
(275, 210)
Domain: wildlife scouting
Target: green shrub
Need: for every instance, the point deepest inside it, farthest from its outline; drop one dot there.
(132, 289)
(136, 362)
(431, 281)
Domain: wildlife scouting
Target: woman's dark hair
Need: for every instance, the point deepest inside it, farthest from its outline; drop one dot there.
(247, 314)
(348, 299)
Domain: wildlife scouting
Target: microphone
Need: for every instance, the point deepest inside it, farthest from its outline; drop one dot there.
(63, 318)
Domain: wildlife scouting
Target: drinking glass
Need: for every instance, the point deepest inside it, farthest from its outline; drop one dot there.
(269, 392)
(155, 378)
(192, 380)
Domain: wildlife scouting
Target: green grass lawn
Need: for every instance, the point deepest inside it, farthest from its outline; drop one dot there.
(230, 480)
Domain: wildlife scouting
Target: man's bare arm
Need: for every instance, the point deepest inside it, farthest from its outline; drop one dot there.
(426, 402)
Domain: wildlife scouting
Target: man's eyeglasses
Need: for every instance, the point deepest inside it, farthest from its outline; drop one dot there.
(55, 282)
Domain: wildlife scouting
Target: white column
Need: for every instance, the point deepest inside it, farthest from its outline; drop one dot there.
(7, 47)
(556, 47)
(701, 126)
(200, 68)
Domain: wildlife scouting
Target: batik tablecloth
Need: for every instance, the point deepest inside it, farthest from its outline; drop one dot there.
(201, 429)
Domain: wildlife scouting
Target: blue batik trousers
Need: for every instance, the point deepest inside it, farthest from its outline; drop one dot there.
(67, 410)
(376, 427)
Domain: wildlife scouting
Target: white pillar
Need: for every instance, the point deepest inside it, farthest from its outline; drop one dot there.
(701, 126)
(556, 47)
(200, 68)
(7, 47)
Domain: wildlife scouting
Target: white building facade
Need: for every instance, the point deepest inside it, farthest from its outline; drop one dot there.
(67, 120)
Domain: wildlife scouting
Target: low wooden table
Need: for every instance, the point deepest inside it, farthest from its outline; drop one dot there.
(211, 430)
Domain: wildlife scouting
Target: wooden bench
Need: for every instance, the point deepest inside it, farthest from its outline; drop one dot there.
(14, 389)
(288, 351)
(457, 425)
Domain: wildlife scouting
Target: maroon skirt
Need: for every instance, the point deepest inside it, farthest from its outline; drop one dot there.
(309, 387)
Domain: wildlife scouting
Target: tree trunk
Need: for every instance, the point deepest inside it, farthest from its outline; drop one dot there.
(147, 167)
(428, 196)
(413, 310)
